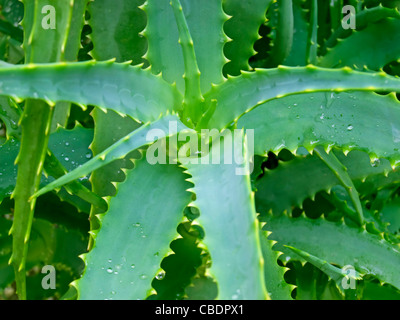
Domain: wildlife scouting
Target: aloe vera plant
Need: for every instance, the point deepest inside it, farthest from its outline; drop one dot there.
(293, 193)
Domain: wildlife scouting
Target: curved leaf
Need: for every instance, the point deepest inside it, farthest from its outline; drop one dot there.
(47, 246)
(164, 54)
(312, 44)
(143, 226)
(123, 88)
(339, 244)
(223, 196)
(274, 274)
(115, 30)
(193, 97)
(356, 50)
(298, 53)
(391, 214)
(340, 171)
(69, 146)
(10, 114)
(56, 44)
(242, 29)
(283, 10)
(363, 18)
(40, 45)
(136, 139)
(319, 178)
(336, 274)
(356, 120)
(241, 94)
(103, 179)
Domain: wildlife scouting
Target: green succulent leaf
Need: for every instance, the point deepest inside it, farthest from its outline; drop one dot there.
(338, 243)
(46, 247)
(123, 88)
(59, 43)
(345, 120)
(340, 171)
(278, 288)
(238, 247)
(167, 58)
(41, 44)
(320, 178)
(242, 29)
(312, 45)
(298, 53)
(283, 31)
(311, 283)
(125, 272)
(116, 28)
(335, 273)
(70, 148)
(390, 214)
(240, 95)
(354, 51)
(364, 18)
(136, 139)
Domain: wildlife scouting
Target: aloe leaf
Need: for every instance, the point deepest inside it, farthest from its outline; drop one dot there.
(335, 12)
(13, 12)
(283, 33)
(126, 272)
(123, 88)
(311, 283)
(209, 19)
(46, 247)
(274, 274)
(346, 120)
(180, 267)
(336, 274)
(223, 195)
(370, 37)
(119, 38)
(54, 168)
(8, 171)
(298, 54)
(60, 43)
(385, 3)
(70, 148)
(340, 171)
(10, 30)
(115, 30)
(39, 46)
(313, 34)
(363, 18)
(193, 97)
(320, 178)
(391, 214)
(166, 57)
(136, 139)
(338, 243)
(10, 114)
(376, 291)
(103, 179)
(35, 133)
(69, 52)
(242, 29)
(241, 94)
